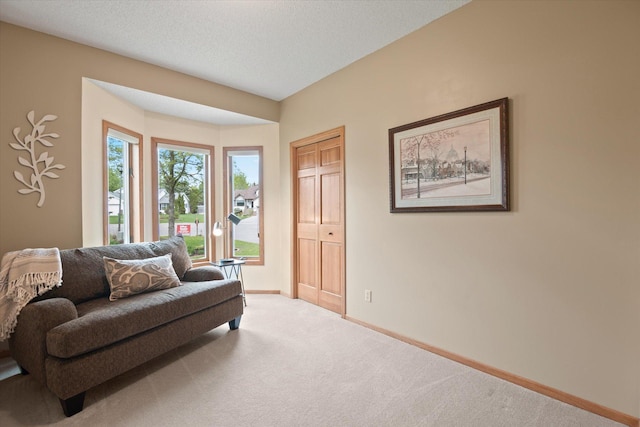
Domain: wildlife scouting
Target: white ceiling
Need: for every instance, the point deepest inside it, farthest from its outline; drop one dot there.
(271, 48)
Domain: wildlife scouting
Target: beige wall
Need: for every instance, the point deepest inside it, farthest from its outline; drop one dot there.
(99, 105)
(549, 291)
(44, 73)
(268, 276)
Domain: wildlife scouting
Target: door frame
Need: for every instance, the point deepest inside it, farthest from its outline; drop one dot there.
(293, 146)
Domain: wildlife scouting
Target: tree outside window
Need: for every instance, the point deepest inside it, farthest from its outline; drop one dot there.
(182, 201)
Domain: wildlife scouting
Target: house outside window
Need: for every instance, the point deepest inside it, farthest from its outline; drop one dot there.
(242, 197)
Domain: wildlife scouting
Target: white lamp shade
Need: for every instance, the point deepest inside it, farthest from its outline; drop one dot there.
(217, 229)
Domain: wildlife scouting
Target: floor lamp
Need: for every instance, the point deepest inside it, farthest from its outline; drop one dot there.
(218, 230)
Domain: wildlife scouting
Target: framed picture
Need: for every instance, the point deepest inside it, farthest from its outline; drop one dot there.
(458, 161)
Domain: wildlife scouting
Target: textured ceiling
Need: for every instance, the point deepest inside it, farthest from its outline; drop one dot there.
(268, 48)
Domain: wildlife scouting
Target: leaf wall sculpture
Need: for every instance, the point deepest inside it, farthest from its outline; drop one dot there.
(40, 165)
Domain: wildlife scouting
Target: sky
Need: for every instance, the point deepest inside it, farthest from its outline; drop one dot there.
(248, 165)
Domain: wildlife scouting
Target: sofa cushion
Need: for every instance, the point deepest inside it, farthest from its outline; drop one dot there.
(102, 322)
(178, 249)
(137, 276)
(203, 273)
(83, 276)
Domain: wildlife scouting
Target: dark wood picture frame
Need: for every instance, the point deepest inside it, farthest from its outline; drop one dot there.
(454, 162)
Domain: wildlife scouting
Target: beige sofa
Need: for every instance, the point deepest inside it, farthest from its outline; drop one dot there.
(74, 337)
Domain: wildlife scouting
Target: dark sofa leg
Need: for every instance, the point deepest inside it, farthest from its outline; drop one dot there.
(235, 323)
(73, 405)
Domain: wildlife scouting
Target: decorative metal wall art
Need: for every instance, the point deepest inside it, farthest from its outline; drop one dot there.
(40, 165)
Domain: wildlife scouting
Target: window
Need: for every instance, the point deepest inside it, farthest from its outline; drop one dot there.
(122, 185)
(182, 194)
(243, 196)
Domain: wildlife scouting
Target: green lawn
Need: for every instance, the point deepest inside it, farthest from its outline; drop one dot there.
(246, 249)
(195, 247)
(188, 218)
(113, 219)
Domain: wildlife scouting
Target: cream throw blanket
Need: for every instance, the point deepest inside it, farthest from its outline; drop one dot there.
(23, 275)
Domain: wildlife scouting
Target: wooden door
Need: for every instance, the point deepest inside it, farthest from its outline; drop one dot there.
(319, 257)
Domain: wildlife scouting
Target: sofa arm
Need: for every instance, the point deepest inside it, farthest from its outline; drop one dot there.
(28, 343)
(202, 274)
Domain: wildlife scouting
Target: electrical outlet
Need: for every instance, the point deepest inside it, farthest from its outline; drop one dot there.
(367, 295)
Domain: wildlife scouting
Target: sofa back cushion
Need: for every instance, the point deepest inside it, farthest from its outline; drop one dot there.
(179, 254)
(83, 274)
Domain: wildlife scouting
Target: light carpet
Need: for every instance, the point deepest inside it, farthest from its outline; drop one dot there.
(294, 364)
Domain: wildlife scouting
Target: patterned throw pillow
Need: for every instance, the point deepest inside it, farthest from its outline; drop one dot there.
(131, 277)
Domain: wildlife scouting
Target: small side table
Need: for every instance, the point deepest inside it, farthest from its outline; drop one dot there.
(232, 268)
